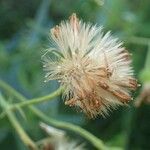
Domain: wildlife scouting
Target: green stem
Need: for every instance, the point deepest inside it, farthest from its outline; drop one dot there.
(138, 40)
(24, 137)
(94, 140)
(68, 126)
(142, 41)
(37, 100)
(11, 90)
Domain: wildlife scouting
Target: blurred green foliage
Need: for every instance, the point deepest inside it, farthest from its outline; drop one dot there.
(24, 28)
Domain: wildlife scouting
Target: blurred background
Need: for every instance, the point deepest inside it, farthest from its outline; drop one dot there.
(24, 29)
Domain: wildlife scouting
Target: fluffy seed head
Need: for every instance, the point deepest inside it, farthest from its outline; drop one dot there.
(59, 140)
(94, 68)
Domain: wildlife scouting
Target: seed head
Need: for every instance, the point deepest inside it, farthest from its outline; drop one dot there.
(59, 140)
(94, 67)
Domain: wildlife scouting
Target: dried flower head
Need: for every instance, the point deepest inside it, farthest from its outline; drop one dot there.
(93, 67)
(58, 140)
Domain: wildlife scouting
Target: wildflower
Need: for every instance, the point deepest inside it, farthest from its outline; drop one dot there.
(58, 140)
(94, 68)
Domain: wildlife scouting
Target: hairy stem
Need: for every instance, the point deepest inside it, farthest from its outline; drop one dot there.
(37, 100)
(13, 120)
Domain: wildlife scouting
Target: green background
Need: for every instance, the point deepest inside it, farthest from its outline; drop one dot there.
(24, 28)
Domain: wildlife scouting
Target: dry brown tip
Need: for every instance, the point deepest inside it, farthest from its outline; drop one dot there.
(74, 21)
(55, 31)
(102, 72)
(123, 97)
(133, 83)
(103, 85)
(127, 55)
(70, 102)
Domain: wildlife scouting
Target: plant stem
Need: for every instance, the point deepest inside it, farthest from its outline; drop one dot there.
(68, 126)
(138, 40)
(37, 100)
(24, 137)
(142, 41)
(94, 140)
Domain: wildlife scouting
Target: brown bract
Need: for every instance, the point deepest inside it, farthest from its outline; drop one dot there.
(89, 100)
